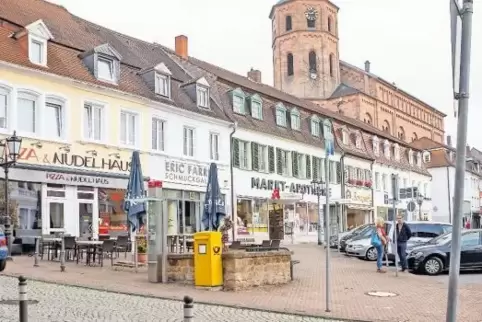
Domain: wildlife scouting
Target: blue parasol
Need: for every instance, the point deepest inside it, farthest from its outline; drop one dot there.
(135, 190)
(214, 207)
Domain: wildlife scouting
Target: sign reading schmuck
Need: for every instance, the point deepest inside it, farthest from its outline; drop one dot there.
(185, 172)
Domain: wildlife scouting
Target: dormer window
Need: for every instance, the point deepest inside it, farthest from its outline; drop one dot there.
(315, 126)
(344, 136)
(376, 146)
(280, 115)
(158, 79)
(202, 96)
(358, 141)
(239, 101)
(426, 157)
(386, 148)
(410, 156)
(104, 63)
(295, 119)
(163, 85)
(419, 159)
(105, 69)
(38, 36)
(256, 107)
(396, 149)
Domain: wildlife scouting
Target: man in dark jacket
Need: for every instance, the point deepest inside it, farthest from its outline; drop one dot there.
(403, 234)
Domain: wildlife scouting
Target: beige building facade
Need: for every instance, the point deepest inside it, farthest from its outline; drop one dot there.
(306, 64)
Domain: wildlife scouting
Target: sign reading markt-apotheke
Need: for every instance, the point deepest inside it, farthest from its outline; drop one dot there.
(74, 160)
(284, 186)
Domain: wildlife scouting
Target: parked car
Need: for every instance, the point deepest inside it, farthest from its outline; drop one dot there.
(351, 234)
(433, 257)
(3, 251)
(422, 232)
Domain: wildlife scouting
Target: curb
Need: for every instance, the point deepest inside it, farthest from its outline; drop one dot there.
(175, 299)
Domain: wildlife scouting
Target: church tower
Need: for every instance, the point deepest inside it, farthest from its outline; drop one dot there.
(305, 48)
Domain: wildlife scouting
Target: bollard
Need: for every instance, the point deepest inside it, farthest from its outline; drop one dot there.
(37, 251)
(62, 253)
(22, 299)
(188, 309)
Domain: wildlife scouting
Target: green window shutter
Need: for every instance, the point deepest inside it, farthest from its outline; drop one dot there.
(308, 166)
(254, 156)
(294, 162)
(338, 172)
(271, 159)
(235, 153)
(316, 163)
(279, 162)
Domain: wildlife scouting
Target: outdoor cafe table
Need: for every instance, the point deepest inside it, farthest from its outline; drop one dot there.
(90, 244)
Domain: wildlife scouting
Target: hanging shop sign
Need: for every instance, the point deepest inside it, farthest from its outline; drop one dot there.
(359, 196)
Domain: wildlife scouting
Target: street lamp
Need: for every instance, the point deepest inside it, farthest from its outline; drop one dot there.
(419, 203)
(9, 153)
(318, 187)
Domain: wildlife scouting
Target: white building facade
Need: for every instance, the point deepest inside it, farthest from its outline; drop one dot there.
(184, 144)
(274, 194)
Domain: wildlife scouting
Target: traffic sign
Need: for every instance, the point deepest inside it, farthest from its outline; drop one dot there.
(411, 206)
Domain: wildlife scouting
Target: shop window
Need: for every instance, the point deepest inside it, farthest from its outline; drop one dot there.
(244, 218)
(260, 216)
(112, 217)
(56, 215)
(85, 193)
(55, 190)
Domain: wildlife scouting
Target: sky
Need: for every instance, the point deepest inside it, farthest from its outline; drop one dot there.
(406, 41)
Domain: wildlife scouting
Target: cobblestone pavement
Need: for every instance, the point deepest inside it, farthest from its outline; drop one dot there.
(59, 303)
(419, 298)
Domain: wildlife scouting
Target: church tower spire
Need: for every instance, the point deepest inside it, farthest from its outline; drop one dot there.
(305, 48)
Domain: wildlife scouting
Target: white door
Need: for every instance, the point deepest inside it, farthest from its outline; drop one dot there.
(55, 209)
(87, 212)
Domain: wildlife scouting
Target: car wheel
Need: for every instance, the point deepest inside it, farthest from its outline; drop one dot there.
(433, 266)
(371, 254)
(3, 264)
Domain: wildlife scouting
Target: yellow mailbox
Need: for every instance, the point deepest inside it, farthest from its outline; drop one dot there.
(208, 264)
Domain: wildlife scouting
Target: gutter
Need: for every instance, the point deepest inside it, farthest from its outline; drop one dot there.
(372, 173)
(231, 173)
(343, 183)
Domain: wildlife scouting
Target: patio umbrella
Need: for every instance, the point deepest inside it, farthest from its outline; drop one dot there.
(135, 190)
(214, 207)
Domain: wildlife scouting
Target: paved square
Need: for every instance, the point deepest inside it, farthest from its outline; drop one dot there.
(420, 298)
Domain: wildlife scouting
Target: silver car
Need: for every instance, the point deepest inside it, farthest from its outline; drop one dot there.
(422, 231)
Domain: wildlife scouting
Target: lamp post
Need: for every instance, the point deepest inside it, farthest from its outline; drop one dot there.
(419, 203)
(9, 153)
(318, 187)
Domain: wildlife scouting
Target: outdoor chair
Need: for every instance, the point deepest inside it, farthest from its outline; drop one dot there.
(266, 243)
(108, 248)
(46, 247)
(275, 244)
(235, 245)
(122, 245)
(70, 248)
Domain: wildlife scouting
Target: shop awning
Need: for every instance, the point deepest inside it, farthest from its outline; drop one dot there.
(358, 207)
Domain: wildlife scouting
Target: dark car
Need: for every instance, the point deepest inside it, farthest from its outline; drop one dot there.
(351, 234)
(433, 257)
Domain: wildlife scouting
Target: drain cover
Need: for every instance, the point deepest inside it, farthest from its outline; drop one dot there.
(15, 302)
(382, 294)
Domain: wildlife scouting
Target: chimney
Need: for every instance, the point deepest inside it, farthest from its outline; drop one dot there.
(467, 149)
(367, 66)
(255, 75)
(181, 46)
(449, 140)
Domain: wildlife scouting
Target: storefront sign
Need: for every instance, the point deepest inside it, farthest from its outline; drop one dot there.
(284, 186)
(74, 160)
(186, 172)
(75, 179)
(360, 196)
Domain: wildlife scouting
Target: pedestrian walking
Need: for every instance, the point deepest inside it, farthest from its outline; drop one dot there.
(402, 234)
(379, 240)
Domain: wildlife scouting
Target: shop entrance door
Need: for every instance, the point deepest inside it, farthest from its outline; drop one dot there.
(86, 220)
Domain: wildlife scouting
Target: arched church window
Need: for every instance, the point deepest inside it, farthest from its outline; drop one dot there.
(312, 61)
(290, 66)
(288, 23)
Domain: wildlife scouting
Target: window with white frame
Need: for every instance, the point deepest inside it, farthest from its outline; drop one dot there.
(36, 51)
(256, 109)
(344, 136)
(376, 146)
(295, 120)
(53, 118)
(244, 155)
(281, 116)
(105, 68)
(358, 141)
(385, 182)
(315, 127)
(4, 106)
(202, 96)
(188, 141)
(377, 181)
(27, 112)
(163, 86)
(93, 120)
(214, 146)
(262, 158)
(386, 147)
(128, 128)
(301, 165)
(158, 128)
(239, 103)
(285, 163)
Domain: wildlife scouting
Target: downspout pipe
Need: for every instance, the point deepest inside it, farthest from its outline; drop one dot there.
(343, 184)
(448, 194)
(372, 173)
(231, 173)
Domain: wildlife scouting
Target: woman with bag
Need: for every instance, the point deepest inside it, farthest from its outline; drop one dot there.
(379, 240)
